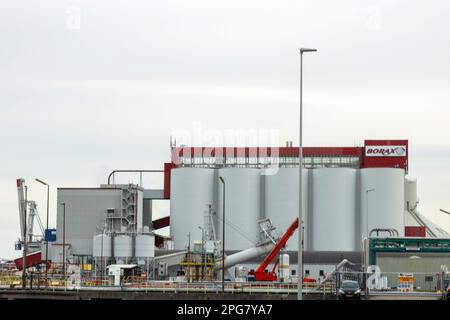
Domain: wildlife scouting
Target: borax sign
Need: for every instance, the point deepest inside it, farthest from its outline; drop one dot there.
(385, 151)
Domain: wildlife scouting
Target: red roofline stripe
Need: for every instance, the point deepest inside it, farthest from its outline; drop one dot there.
(234, 152)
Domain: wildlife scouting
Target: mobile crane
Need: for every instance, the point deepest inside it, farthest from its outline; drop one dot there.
(261, 274)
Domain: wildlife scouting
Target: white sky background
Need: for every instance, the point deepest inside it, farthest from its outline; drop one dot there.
(78, 100)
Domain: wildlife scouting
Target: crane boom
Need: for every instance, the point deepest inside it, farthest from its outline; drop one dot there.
(260, 274)
(21, 198)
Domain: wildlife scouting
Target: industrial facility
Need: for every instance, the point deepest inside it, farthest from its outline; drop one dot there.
(360, 210)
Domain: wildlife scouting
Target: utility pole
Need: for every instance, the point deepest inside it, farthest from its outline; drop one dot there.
(300, 208)
(64, 242)
(203, 254)
(367, 226)
(46, 231)
(223, 236)
(25, 245)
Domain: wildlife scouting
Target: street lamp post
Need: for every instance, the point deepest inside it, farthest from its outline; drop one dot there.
(203, 253)
(46, 230)
(25, 245)
(64, 241)
(366, 242)
(367, 224)
(189, 243)
(102, 263)
(223, 235)
(300, 220)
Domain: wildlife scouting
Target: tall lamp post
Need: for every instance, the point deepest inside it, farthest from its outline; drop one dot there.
(366, 242)
(203, 252)
(46, 230)
(64, 240)
(25, 245)
(300, 220)
(367, 225)
(223, 235)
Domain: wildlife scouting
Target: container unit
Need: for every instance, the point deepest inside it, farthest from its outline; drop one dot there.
(333, 209)
(242, 207)
(192, 190)
(50, 235)
(282, 200)
(385, 205)
(101, 246)
(144, 248)
(123, 248)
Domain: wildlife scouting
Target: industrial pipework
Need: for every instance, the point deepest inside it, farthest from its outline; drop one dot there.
(135, 171)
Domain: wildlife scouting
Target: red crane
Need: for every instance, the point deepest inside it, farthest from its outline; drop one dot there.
(260, 273)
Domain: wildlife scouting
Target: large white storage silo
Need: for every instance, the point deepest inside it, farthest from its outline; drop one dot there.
(123, 248)
(282, 199)
(101, 246)
(384, 205)
(334, 209)
(145, 247)
(242, 207)
(191, 192)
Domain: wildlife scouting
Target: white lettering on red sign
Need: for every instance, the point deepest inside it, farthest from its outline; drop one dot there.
(385, 151)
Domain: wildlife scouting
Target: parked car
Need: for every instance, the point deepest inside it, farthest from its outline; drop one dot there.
(349, 290)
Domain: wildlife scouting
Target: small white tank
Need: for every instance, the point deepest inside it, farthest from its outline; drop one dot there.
(410, 192)
(284, 266)
(123, 249)
(101, 246)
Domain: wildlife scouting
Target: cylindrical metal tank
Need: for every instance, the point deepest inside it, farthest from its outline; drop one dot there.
(410, 192)
(284, 267)
(101, 246)
(334, 209)
(242, 207)
(385, 204)
(123, 248)
(245, 255)
(192, 190)
(282, 200)
(145, 246)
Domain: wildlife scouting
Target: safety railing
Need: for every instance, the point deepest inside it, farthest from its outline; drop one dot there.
(371, 284)
(377, 283)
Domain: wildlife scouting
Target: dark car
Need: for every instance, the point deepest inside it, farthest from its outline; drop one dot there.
(349, 290)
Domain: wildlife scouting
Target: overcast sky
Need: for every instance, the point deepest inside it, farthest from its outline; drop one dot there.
(91, 86)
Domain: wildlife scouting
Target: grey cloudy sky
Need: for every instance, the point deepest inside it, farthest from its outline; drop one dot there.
(90, 86)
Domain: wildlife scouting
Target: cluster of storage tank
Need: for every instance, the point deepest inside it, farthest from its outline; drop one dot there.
(123, 253)
(340, 205)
